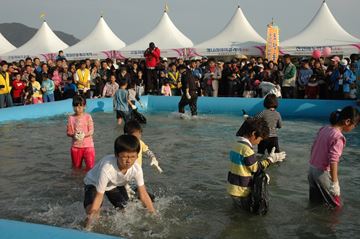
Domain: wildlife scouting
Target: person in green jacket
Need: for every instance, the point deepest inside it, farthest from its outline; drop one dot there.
(288, 84)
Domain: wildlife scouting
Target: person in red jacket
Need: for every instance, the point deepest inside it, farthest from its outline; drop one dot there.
(152, 59)
(18, 87)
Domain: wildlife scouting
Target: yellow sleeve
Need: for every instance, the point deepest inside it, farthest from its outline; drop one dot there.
(144, 147)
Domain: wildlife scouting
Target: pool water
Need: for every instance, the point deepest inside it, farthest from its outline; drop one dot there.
(38, 185)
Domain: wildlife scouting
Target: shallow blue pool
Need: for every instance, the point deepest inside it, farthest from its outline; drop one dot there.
(38, 185)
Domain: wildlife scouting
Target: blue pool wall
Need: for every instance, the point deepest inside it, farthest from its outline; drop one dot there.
(23, 230)
(311, 109)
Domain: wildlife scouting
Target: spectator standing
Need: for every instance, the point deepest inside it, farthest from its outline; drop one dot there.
(289, 78)
(152, 58)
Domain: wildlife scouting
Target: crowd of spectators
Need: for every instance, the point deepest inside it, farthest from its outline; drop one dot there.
(31, 81)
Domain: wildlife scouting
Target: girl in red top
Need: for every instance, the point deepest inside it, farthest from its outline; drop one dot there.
(18, 87)
(80, 128)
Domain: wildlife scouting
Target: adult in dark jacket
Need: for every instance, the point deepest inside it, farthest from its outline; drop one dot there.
(189, 91)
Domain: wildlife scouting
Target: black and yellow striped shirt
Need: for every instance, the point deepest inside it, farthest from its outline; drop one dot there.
(243, 165)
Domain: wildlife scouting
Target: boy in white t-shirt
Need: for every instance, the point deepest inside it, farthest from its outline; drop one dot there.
(111, 174)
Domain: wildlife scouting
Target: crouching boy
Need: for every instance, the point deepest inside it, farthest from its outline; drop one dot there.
(244, 163)
(111, 174)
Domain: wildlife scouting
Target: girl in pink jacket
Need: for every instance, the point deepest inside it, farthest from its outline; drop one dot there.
(80, 128)
(325, 156)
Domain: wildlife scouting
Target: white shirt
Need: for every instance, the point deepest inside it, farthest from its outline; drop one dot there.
(106, 175)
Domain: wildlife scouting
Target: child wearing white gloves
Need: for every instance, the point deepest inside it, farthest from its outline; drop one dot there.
(134, 128)
(244, 163)
(325, 157)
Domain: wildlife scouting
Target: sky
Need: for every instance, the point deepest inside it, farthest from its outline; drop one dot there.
(199, 20)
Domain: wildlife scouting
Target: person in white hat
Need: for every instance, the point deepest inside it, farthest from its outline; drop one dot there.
(341, 78)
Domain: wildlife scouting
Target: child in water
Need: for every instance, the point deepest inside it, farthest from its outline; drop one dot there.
(273, 120)
(134, 128)
(111, 174)
(325, 156)
(122, 102)
(244, 163)
(80, 128)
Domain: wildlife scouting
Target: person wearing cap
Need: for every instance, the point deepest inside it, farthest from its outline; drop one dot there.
(341, 78)
(304, 74)
(5, 96)
(152, 59)
(289, 81)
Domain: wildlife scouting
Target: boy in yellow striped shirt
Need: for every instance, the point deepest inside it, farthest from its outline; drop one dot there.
(244, 163)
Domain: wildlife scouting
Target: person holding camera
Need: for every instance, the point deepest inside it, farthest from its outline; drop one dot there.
(152, 59)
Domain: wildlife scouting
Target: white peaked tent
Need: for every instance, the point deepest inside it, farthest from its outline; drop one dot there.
(238, 37)
(101, 43)
(171, 41)
(44, 44)
(322, 31)
(5, 45)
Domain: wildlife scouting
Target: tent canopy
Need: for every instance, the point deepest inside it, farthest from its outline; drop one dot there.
(5, 45)
(238, 36)
(42, 44)
(98, 44)
(323, 30)
(165, 35)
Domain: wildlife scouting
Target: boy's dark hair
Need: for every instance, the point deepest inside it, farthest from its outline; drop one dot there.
(32, 76)
(3, 63)
(126, 143)
(131, 127)
(123, 82)
(349, 112)
(45, 75)
(78, 100)
(250, 125)
(271, 101)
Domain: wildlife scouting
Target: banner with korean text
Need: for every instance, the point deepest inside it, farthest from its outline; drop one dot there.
(272, 43)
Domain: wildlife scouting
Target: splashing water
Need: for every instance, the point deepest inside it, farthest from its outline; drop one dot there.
(38, 185)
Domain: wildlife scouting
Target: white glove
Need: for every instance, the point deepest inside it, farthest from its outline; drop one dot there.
(188, 96)
(133, 107)
(155, 163)
(276, 157)
(335, 188)
(267, 178)
(130, 192)
(79, 135)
